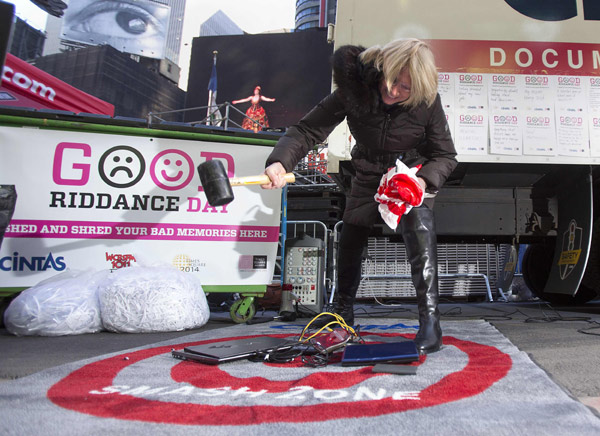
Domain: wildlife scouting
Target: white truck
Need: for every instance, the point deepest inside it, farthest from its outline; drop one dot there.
(520, 83)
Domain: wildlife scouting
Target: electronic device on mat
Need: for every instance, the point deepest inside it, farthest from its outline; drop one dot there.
(303, 271)
(376, 353)
(331, 341)
(226, 351)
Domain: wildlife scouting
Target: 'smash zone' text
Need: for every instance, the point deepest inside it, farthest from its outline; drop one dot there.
(299, 393)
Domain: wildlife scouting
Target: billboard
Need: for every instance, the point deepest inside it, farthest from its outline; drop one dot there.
(106, 201)
(291, 68)
(131, 26)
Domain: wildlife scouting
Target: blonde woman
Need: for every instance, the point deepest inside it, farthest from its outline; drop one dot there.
(388, 95)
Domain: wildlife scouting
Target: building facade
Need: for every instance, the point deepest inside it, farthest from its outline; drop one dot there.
(112, 76)
(315, 13)
(27, 43)
(175, 28)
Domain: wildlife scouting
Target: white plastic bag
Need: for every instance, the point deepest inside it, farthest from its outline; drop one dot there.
(66, 304)
(152, 299)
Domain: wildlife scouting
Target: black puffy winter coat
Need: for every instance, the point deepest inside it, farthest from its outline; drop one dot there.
(418, 135)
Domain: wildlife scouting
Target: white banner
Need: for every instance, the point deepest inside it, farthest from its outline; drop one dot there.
(105, 201)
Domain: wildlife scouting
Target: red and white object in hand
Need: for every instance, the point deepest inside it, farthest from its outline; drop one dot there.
(399, 191)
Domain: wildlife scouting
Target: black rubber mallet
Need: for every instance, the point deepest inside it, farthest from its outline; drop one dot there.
(217, 186)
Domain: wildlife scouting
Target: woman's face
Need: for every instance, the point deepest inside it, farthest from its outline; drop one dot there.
(400, 89)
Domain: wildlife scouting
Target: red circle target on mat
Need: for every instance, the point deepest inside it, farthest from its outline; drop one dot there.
(319, 395)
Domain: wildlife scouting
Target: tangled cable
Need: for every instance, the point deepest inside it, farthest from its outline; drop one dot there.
(325, 343)
(315, 349)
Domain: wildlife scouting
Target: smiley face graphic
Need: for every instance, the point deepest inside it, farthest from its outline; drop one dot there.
(121, 166)
(172, 169)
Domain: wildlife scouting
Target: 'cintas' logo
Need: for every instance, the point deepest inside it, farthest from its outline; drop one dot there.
(33, 263)
(555, 10)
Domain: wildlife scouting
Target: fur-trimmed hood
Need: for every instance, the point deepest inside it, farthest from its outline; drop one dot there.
(358, 84)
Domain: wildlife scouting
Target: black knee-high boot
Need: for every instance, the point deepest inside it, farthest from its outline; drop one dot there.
(349, 261)
(349, 274)
(418, 232)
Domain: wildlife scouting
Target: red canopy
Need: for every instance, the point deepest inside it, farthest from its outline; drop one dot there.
(27, 86)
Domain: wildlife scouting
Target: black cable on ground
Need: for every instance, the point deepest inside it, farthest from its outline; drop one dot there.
(556, 317)
(587, 330)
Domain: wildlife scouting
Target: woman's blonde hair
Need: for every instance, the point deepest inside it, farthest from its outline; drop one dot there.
(412, 55)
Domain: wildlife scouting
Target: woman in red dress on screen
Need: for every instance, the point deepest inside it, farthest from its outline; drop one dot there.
(256, 117)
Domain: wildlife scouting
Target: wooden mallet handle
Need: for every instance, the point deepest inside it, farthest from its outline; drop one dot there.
(217, 186)
(263, 179)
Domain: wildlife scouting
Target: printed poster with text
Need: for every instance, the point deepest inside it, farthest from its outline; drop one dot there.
(593, 93)
(572, 134)
(471, 114)
(539, 131)
(446, 91)
(98, 201)
(504, 92)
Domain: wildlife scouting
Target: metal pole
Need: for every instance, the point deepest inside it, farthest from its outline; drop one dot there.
(208, 108)
(210, 92)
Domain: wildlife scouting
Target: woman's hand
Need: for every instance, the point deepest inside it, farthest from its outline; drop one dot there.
(276, 173)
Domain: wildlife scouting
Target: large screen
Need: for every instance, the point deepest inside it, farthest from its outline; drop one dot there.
(292, 68)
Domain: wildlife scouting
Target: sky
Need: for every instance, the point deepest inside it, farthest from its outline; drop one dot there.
(252, 16)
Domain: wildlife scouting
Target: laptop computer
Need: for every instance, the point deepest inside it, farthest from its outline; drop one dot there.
(220, 352)
(388, 352)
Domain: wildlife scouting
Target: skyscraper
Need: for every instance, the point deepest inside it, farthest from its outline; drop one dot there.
(175, 28)
(315, 13)
(219, 24)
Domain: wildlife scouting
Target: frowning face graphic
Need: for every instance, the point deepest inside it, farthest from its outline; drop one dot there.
(121, 166)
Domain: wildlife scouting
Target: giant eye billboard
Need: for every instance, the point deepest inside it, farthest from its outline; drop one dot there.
(131, 26)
